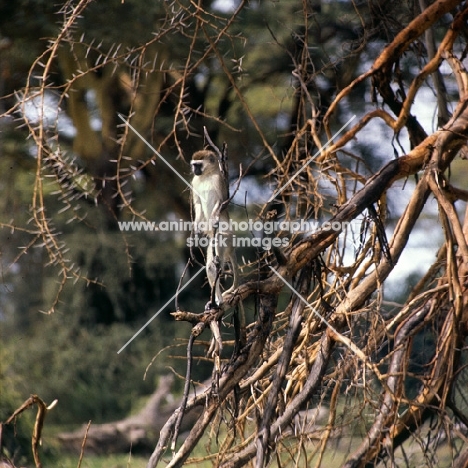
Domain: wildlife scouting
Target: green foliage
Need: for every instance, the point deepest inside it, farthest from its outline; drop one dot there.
(16, 436)
(81, 369)
(89, 461)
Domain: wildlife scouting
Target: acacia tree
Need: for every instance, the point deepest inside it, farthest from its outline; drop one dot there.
(333, 341)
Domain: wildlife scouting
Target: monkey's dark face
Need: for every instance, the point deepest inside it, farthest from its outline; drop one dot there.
(197, 167)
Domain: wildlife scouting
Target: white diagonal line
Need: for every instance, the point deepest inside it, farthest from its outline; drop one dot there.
(275, 194)
(298, 294)
(346, 341)
(159, 311)
(157, 153)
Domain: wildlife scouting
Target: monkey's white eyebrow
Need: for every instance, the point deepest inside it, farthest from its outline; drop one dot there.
(157, 153)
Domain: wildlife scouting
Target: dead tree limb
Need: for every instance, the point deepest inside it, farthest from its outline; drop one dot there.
(134, 433)
(240, 458)
(265, 442)
(230, 377)
(42, 410)
(183, 404)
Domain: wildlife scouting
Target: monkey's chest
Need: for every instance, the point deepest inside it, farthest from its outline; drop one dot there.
(211, 197)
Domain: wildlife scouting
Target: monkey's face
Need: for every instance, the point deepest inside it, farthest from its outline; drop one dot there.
(203, 162)
(197, 167)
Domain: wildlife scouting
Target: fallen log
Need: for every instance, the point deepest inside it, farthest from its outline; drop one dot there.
(137, 433)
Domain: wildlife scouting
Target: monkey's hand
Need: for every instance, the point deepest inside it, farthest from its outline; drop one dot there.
(215, 223)
(212, 305)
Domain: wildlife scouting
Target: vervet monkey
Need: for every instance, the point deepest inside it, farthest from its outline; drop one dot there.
(209, 193)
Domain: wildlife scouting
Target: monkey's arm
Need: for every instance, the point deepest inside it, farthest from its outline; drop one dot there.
(219, 198)
(198, 212)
